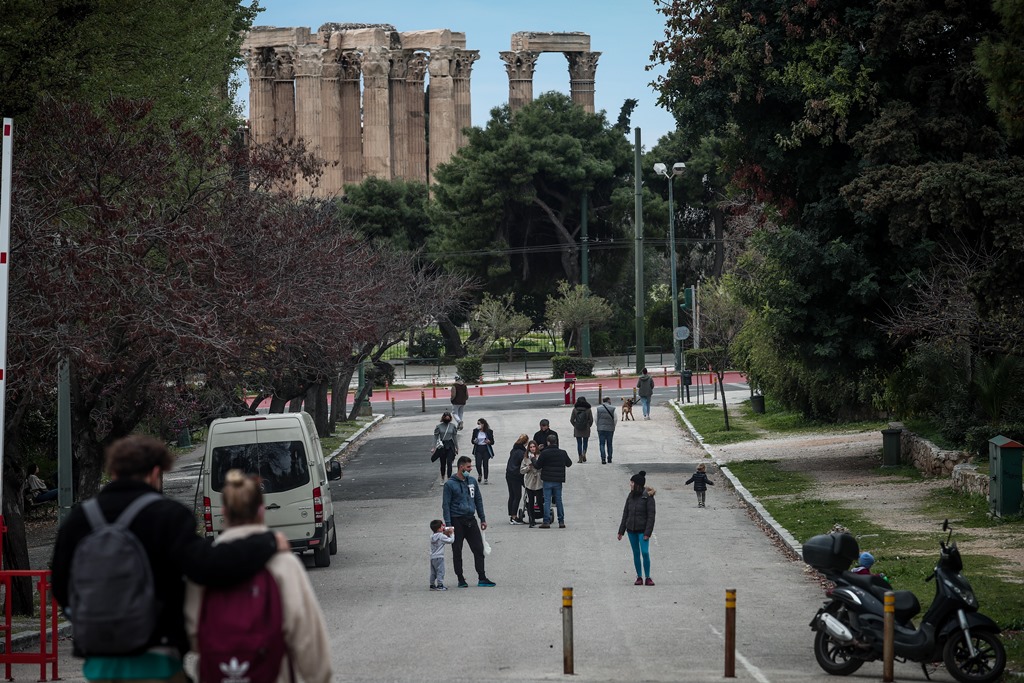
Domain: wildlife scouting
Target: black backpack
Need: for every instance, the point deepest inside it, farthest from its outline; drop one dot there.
(111, 595)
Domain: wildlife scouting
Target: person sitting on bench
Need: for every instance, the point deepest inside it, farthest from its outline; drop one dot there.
(37, 488)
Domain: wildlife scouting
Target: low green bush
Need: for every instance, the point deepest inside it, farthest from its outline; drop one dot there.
(976, 438)
(582, 367)
(380, 372)
(470, 368)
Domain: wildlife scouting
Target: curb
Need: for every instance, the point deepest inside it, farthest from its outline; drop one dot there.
(748, 499)
(26, 640)
(377, 419)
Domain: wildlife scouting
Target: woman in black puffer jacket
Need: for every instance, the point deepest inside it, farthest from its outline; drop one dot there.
(638, 524)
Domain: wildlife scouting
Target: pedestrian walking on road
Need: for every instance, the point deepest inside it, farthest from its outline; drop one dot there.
(446, 434)
(700, 483)
(541, 437)
(461, 503)
(581, 419)
(459, 398)
(221, 634)
(483, 448)
(514, 479)
(645, 389)
(166, 531)
(552, 464)
(605, 429)
(440, 536)
(534, 503)
(638, 523)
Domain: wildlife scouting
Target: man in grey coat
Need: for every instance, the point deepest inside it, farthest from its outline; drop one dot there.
(605, 428)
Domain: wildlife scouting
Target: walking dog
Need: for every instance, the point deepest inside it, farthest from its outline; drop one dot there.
(627, 408)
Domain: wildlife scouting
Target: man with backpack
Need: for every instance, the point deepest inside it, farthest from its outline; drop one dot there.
(118, 564)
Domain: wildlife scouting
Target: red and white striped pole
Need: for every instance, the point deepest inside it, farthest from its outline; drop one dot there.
(5, 246)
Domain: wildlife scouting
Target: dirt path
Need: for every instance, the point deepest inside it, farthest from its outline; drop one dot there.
(845, 468)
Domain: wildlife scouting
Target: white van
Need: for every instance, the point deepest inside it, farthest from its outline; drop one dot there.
(284, 450)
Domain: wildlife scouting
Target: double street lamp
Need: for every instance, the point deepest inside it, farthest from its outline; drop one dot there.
(678, 168)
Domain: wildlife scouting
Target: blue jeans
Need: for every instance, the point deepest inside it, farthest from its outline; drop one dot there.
(641, 552)
(581, 444)
(604, 441)
(553, 489)
(645, 401)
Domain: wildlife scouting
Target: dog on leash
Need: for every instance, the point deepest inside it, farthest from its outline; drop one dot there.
(627, 408)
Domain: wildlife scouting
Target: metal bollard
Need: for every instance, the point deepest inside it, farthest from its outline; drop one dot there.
(665, 372)
(600, 394)
(567, 654)
(387, 390)
(392, 406)
(619, 371)
(730, 633)
(434, 383)
(888, 637)
(423, 401)
(481, 389)
(527, 382)
(679, 390)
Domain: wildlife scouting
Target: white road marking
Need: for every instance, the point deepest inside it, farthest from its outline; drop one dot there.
(751, 669)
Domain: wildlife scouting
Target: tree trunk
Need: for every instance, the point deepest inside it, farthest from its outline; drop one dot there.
(277, 404)
(452, 340)
(15, 544)
(725, 406)
(338, 401)
(322, 419)
(345, 380)
(295, 405)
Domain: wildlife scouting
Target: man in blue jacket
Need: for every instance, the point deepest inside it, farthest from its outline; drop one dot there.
(460, 503)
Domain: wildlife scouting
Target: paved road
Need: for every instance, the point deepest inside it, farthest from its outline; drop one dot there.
(387, 626)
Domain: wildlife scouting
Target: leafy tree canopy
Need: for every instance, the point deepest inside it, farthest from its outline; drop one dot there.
(392, 210)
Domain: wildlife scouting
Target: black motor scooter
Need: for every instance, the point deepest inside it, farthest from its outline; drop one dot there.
(849, 628)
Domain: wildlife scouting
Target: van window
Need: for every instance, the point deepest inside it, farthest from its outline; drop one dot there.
(281, 465)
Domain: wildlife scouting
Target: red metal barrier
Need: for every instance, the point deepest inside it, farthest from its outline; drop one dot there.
(47, 606)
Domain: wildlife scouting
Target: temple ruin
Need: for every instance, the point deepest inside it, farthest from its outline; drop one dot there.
(356, 94)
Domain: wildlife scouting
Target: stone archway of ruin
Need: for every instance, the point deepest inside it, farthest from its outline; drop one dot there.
(521, 61)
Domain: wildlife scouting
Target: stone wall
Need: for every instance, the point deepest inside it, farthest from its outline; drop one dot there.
(933, 461)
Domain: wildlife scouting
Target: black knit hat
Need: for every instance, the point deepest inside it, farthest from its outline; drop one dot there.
(640, 478)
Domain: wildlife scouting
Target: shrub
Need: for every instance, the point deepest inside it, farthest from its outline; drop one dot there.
(470, 368)
(381, 371)
(601, 343)
(583, 367)
(977, 437)
(427, 345)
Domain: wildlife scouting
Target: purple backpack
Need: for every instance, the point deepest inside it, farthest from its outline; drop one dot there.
(241, 632)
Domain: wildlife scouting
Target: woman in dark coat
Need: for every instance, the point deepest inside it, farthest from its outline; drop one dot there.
(483, 451)
(582, 419)
(514, 478)
(638, 524)
(448, 434)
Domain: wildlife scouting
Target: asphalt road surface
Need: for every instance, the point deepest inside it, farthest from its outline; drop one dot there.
(385, 625)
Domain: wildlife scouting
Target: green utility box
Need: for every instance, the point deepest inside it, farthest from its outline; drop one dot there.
(1004, 491)
(891, 446)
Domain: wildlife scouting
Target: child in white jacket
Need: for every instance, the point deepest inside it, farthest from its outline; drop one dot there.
(440, 535)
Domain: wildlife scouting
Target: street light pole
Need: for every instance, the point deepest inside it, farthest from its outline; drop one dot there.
(638, 251)
(677, 169)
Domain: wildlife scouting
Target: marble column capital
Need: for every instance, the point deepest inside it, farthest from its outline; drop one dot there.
(376, 66)
(284, 64)
(440, 63)
(520, 65)
(309, 61)
(462, 63)
(400, 64)
(582, 65)
(259, 62)
(417, 67)
(331, 67)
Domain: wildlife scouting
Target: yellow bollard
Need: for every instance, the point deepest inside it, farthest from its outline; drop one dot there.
(600, 394)
(392, 406)
(730, 633)
(527, 382)
(423, 401)
(567, 654)
(888, 637)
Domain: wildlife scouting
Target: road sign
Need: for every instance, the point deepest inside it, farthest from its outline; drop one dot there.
(682, 333)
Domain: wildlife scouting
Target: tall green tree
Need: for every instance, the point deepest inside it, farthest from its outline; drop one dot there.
(507, 206)
(391, 210)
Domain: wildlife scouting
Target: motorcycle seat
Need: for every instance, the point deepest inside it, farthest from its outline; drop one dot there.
(906, 606)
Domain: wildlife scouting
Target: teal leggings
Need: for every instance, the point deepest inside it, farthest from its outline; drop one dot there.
(641, 549)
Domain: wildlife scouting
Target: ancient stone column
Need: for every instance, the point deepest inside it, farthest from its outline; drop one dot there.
(284, 93)
(376, 113)
(416, 166)
(350, 67)
(582, 67)
(399, 110)
(443, 131)
(462, 66)
(308, 69)
(520, 67)
(260, 64)
(330, 125)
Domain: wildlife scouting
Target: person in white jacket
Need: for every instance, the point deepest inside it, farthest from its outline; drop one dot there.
(305, 633)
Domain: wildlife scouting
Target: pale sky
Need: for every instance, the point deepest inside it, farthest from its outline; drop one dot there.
(622, 30)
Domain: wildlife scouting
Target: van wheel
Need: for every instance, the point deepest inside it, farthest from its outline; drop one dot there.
(322, 557)
(333, 545)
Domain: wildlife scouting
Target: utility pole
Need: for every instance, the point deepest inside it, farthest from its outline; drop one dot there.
(638, 250)
(584, 271)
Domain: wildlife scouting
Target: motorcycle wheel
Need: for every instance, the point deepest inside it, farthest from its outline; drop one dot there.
(986, 666)
(834, 658)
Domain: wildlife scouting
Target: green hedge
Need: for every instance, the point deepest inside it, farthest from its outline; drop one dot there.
(470, 368)
(976, 438)
(583, 367)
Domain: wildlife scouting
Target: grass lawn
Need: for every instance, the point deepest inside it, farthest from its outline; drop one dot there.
(343, 431)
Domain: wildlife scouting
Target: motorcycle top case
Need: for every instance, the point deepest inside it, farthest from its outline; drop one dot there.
(831, 552)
